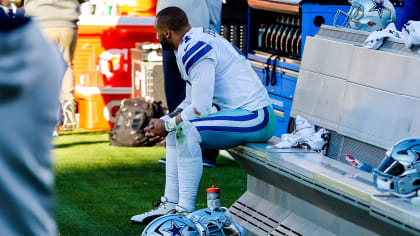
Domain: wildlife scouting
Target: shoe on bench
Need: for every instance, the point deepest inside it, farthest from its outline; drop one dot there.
(161, 208)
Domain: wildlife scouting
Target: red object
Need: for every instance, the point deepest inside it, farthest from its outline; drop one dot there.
(96, 36)
(213, 189)
(106, 81)
(351, 160)
(98, 107)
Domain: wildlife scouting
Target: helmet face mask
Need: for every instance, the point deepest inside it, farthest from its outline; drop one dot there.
(201, 222)
(368, 15)
(399, 172)
(211, 222)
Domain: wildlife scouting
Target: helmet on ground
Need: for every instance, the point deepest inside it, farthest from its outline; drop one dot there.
(170, 225)
(211, 222)
(368, 15)
(399, 172)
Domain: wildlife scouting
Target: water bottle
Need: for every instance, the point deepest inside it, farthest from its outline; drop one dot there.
(213, 198)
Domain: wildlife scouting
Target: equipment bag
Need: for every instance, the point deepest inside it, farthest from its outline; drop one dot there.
(132, 117)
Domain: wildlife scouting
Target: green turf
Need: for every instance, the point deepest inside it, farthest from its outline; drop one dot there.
(99, 187)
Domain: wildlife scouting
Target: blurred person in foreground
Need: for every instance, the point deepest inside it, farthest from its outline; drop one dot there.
(30, 78)
(10, 9)
(216, 72)
(5, 7)
(202, 13)
(58, 20)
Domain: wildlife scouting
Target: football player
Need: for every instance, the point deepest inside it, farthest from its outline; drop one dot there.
(225, 105)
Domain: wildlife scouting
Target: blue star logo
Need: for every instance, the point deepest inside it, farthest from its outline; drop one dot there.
(379, 7)
(175, 230)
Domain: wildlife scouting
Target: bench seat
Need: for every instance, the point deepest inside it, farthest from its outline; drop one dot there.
(304, 185)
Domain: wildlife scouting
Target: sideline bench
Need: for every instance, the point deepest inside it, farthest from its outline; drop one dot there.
(368, 100)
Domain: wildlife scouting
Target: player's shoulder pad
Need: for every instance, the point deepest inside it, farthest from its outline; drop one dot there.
(195, 47)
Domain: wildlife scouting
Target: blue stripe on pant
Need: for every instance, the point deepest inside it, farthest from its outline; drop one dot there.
(230, 128)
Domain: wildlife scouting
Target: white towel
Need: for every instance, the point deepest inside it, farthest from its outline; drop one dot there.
(376, 38)
(411, 33)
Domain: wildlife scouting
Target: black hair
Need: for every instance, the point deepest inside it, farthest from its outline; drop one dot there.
(173, 18)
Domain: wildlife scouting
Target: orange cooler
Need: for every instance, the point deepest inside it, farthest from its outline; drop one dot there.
(98, 106)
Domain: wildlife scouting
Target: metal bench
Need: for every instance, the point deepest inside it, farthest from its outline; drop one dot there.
(300, 192)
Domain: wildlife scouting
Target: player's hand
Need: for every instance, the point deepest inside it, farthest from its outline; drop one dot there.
(156, 129)
(156, 139)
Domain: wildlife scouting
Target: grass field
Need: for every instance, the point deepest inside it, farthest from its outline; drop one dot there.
(99, 187)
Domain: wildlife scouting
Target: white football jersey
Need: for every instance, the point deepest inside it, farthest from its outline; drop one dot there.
(235, 86)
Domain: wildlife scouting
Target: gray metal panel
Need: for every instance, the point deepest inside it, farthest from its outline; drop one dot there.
(257, 214)
(398, 211)
(335, 57)
(411, 84)
(301, 226)
(371, 115)
(315, 171)
(335, 145)
(319, 98)
(339, 145)
(357, 37)
(398, 46)
(367, 104)
(408, 124)
(325, 214)
(314, 168)
(380, 70)
(341, 34)
(364, 152)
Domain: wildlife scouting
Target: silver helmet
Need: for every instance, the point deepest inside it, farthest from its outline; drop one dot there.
(170, 225)
(399, 172)
(368, 15)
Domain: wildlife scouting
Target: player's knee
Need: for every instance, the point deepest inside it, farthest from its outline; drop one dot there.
(187, 132)
(188, 141)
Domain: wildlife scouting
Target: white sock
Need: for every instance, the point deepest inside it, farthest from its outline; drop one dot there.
(189, 174)
(190, 165)
(171, 185)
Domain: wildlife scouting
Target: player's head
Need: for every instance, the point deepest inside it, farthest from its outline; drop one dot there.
(171, 24)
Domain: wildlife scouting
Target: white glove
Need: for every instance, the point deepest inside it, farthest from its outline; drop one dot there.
(376, 38)
(411, 33)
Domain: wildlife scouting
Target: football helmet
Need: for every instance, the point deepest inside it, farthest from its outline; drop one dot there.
(368, 15)
(170, 225)
(399, 172)
(211, 222)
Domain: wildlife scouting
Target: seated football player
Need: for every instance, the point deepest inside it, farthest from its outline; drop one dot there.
(225, 105)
